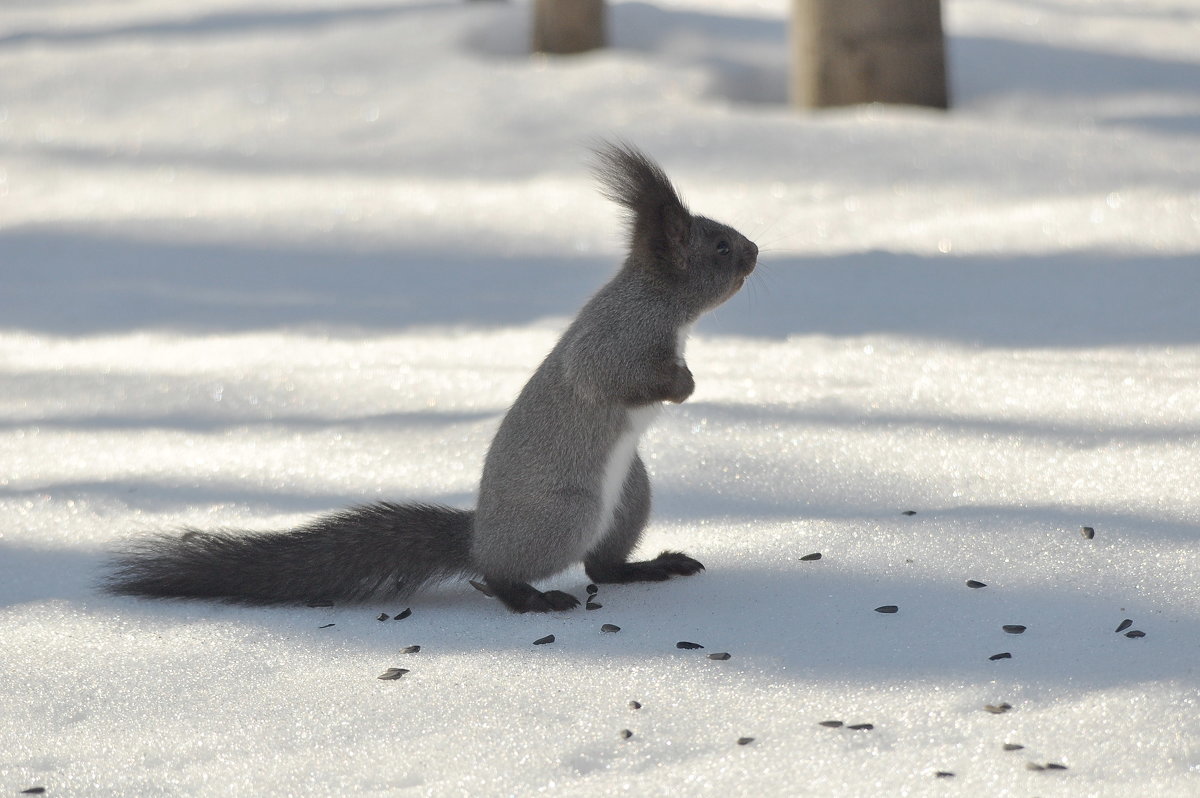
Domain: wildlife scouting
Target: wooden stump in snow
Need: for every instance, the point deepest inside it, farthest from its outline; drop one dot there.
(846, 52)
(568, 26)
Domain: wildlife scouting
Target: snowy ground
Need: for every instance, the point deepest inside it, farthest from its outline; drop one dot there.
(262, 259)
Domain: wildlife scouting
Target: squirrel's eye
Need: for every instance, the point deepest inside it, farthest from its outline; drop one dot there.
(722, 247)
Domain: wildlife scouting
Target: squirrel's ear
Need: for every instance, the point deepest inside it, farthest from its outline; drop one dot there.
(660, 224)
(673, 231)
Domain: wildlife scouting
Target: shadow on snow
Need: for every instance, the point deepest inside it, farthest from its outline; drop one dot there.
(80, 284)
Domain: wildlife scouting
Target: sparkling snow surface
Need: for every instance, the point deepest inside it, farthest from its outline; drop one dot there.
(263, 259)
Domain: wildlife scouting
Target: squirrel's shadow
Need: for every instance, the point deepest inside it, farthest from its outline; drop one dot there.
(811, 622)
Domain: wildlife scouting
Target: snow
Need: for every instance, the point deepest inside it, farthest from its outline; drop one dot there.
(264, 259)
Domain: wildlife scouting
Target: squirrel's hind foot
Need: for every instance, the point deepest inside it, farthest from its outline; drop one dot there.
(661, 568)
(523, 597)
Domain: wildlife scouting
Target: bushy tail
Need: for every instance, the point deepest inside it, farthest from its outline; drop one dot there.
(376, 551)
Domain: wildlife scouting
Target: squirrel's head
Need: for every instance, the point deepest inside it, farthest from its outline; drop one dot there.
(701, 261)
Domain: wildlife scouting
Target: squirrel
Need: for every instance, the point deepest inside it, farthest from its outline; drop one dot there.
(562, 481)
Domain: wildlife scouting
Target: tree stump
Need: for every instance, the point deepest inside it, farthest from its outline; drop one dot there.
(568, 26)
(846, 52)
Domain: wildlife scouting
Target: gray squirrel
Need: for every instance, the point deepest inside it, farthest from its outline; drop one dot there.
(562, 482)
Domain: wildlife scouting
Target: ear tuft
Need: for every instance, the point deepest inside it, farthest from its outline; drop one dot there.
(660, 224)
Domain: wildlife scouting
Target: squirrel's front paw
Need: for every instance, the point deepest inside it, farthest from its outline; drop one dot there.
(683, 385)
(670, 382)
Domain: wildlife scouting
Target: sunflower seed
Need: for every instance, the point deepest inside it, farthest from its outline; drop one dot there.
(1123, 625)
(1087, 531)
(831, 724)
(944, 774)
(610, 627)
(686, 644)
(998, 709)
(1135, 633)
(1055, 766)
(403, 615)
(862, 726)
(974, 583)
(410, 649)
(745, 740)
(635, 704)
(541, 641)
(1013, 746)
(909, 512)
(888, 609)
(1005, 655)
(722, 656)
(816, 555)
(482, 588)
(626, 734)
(383, 616)
(33, 791)
(1013, 628)
(391, 674)
(592, 590)
(591, 605)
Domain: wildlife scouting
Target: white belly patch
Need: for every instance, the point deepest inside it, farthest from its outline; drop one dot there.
(619, 460)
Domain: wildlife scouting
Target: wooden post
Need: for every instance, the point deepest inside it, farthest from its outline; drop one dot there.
(568, 26)
(862, 51)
